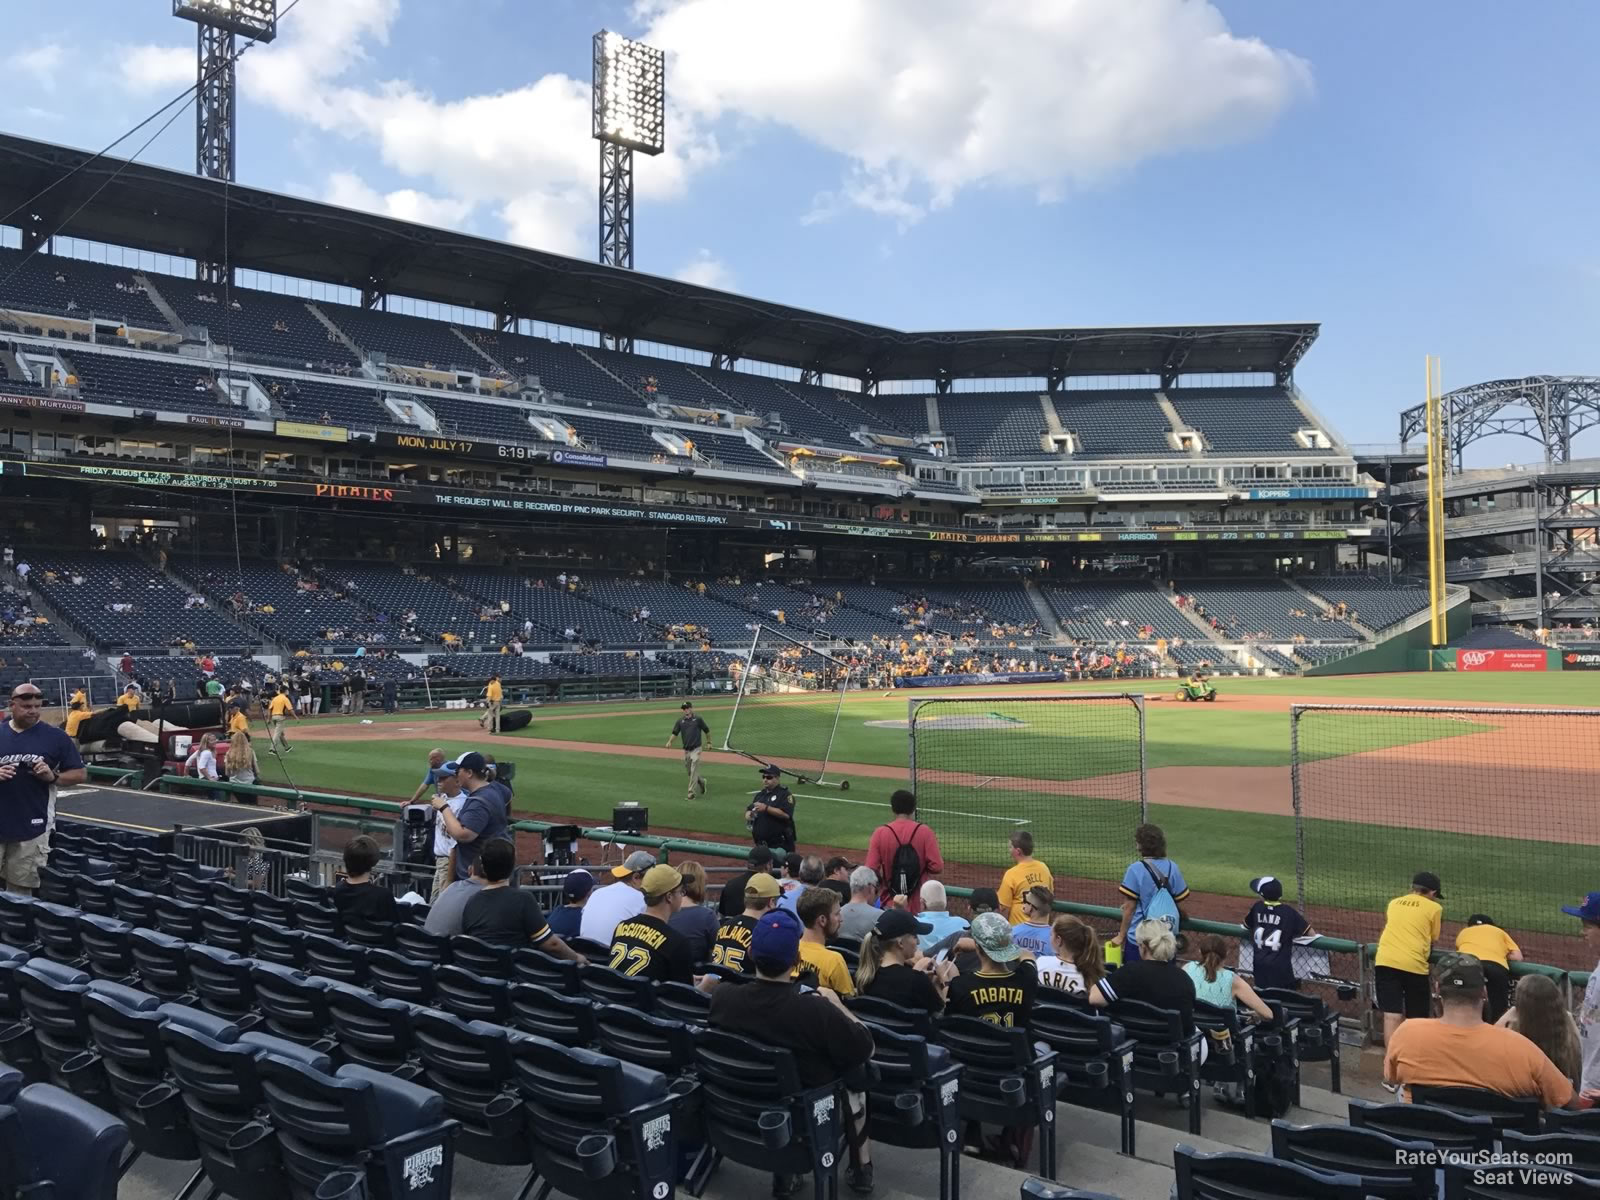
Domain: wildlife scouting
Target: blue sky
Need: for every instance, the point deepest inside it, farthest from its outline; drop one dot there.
(1419, 177)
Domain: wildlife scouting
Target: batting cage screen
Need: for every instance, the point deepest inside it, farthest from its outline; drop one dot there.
(1503, 804)
(1069, 769)
(787, 710)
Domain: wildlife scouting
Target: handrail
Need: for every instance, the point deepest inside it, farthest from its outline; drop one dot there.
(667, 846)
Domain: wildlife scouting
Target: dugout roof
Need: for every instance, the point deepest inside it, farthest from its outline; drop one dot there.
(172, 212)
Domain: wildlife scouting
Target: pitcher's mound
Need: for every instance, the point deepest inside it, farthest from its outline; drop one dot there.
(963, 721)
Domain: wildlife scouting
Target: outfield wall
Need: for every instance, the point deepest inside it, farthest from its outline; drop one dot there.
(1406, 650)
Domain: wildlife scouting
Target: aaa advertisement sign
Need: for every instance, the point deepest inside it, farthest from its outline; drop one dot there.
(1502, 660)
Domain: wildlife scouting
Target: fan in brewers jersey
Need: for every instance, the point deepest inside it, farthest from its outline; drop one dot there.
(646, 945)
(1272, 927)
(731, 950)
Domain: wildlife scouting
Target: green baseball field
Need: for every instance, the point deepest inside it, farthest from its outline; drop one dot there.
(1500, 805)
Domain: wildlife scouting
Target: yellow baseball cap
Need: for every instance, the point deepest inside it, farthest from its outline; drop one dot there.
(762, 885)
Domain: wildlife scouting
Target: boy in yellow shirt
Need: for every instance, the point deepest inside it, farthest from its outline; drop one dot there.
(1025, 872)
(1495, 951)
(1411, 926)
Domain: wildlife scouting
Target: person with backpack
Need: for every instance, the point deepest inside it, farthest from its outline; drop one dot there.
(1152, 889)
(903, 854)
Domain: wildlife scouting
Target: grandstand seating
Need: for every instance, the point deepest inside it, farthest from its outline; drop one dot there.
(317, 403)
(303, 341)
(630, 439)
(90, 287)
(1249, 608)
(1085, 608)
(297, 617)
(439, 610)
(669, 604)
(507, 666)
(803, 608)
(561, 369)
(994, 425)
(1114, 422)
(1243, 420)
(808, 419)
(158, 614)
(406, 339)
(148, 383)
(1372, 600)
(615, 664)
(1007, 604)
(1205, 655)
(674, 382)
(551, 609)
(472, 418)
(729, 450)
(1313, 653)
(1274, 660)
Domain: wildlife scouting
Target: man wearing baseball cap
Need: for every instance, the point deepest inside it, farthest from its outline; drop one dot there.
(691, 729)
(1461, 1049)
(731, 950)
(1589, 1011)
(567, 920)
(35, 759)
(828, 1041)
(619, 900)
(771, 813)
(647, 946)
(482, 817)
(1410, 928)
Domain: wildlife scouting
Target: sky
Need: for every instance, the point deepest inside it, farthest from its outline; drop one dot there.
(1420, 178)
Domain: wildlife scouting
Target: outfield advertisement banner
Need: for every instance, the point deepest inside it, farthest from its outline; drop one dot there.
(1502, 660)
(1580, 660)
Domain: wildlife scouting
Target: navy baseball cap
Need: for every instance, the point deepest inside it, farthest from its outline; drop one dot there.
(577, 885)
(775, 941)
(1589, 910)
(1268, 887)
(474, 762)
(770, 771)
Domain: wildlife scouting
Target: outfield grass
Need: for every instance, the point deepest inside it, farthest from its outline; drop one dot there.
(1220, 849)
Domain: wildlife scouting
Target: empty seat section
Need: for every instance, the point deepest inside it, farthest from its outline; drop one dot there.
(1243, 420)
(983, 425)
(296, 614)
(1113, 423)
(477, 419)
(402, 338)
(661, 379)
(318, 403)
(562, 370)
(265, 326)
(670, 604)
(628, 439)
(761, 396)
(507, 666)
(155, 612)
(439, 610)
(47, 283)
(805, 608)
(552, 609)
(1084, 610)
(1265, 608)
(150, 383)
(1374, 602)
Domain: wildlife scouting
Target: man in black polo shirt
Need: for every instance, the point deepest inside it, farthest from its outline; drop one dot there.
(690, 729)
(772, 813)
(503, 914)
(647, 945)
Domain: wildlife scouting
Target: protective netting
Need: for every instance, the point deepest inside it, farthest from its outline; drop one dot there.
(787, 710)
(1070, 769)
(1502, 804)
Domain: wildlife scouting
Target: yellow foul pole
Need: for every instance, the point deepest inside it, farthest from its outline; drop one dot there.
(1437, 458)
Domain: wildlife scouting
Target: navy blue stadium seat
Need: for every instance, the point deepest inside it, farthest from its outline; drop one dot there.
(545, 970)
(469, 1064)
(1005, 1081)
(161, 962)
(1390, 1168)
(473, 997)
(566, 1020)
(292, 1005)
(1251, 1176)
(1472, 1181)
(1094, 1062)
(1521, 1113)
(373, 1031)
(107, 945)
(397, 977)
(73, 1145)
(222, 984)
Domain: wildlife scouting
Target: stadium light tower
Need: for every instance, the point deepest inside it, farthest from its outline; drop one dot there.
(216, 117)
(629, 114)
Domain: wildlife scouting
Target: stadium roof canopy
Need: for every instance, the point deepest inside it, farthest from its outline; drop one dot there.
(174, 213)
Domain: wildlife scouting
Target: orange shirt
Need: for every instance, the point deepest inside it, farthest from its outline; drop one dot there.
(1427, 1051)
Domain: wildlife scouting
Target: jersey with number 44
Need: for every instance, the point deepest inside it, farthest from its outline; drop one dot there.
(1273, 928)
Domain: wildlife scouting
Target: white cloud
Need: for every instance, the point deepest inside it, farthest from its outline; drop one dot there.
(349, 190)
(706, 270)
(42, 64)
(156, 68)
(928, 97)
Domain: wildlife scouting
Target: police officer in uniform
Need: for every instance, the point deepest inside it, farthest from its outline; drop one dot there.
(771, 813)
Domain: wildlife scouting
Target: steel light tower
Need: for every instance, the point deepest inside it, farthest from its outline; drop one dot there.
(629, 114)
(216, 117)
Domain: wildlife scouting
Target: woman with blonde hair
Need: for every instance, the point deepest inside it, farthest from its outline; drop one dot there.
(892, 967)
(240, 765)
(1538, 1015)
(1153, 978)
(693, 919)
(1078, 962)
(254, 868)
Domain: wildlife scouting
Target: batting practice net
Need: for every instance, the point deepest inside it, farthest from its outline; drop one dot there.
(787, 710)
(1503, 804)
(1070, 769)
